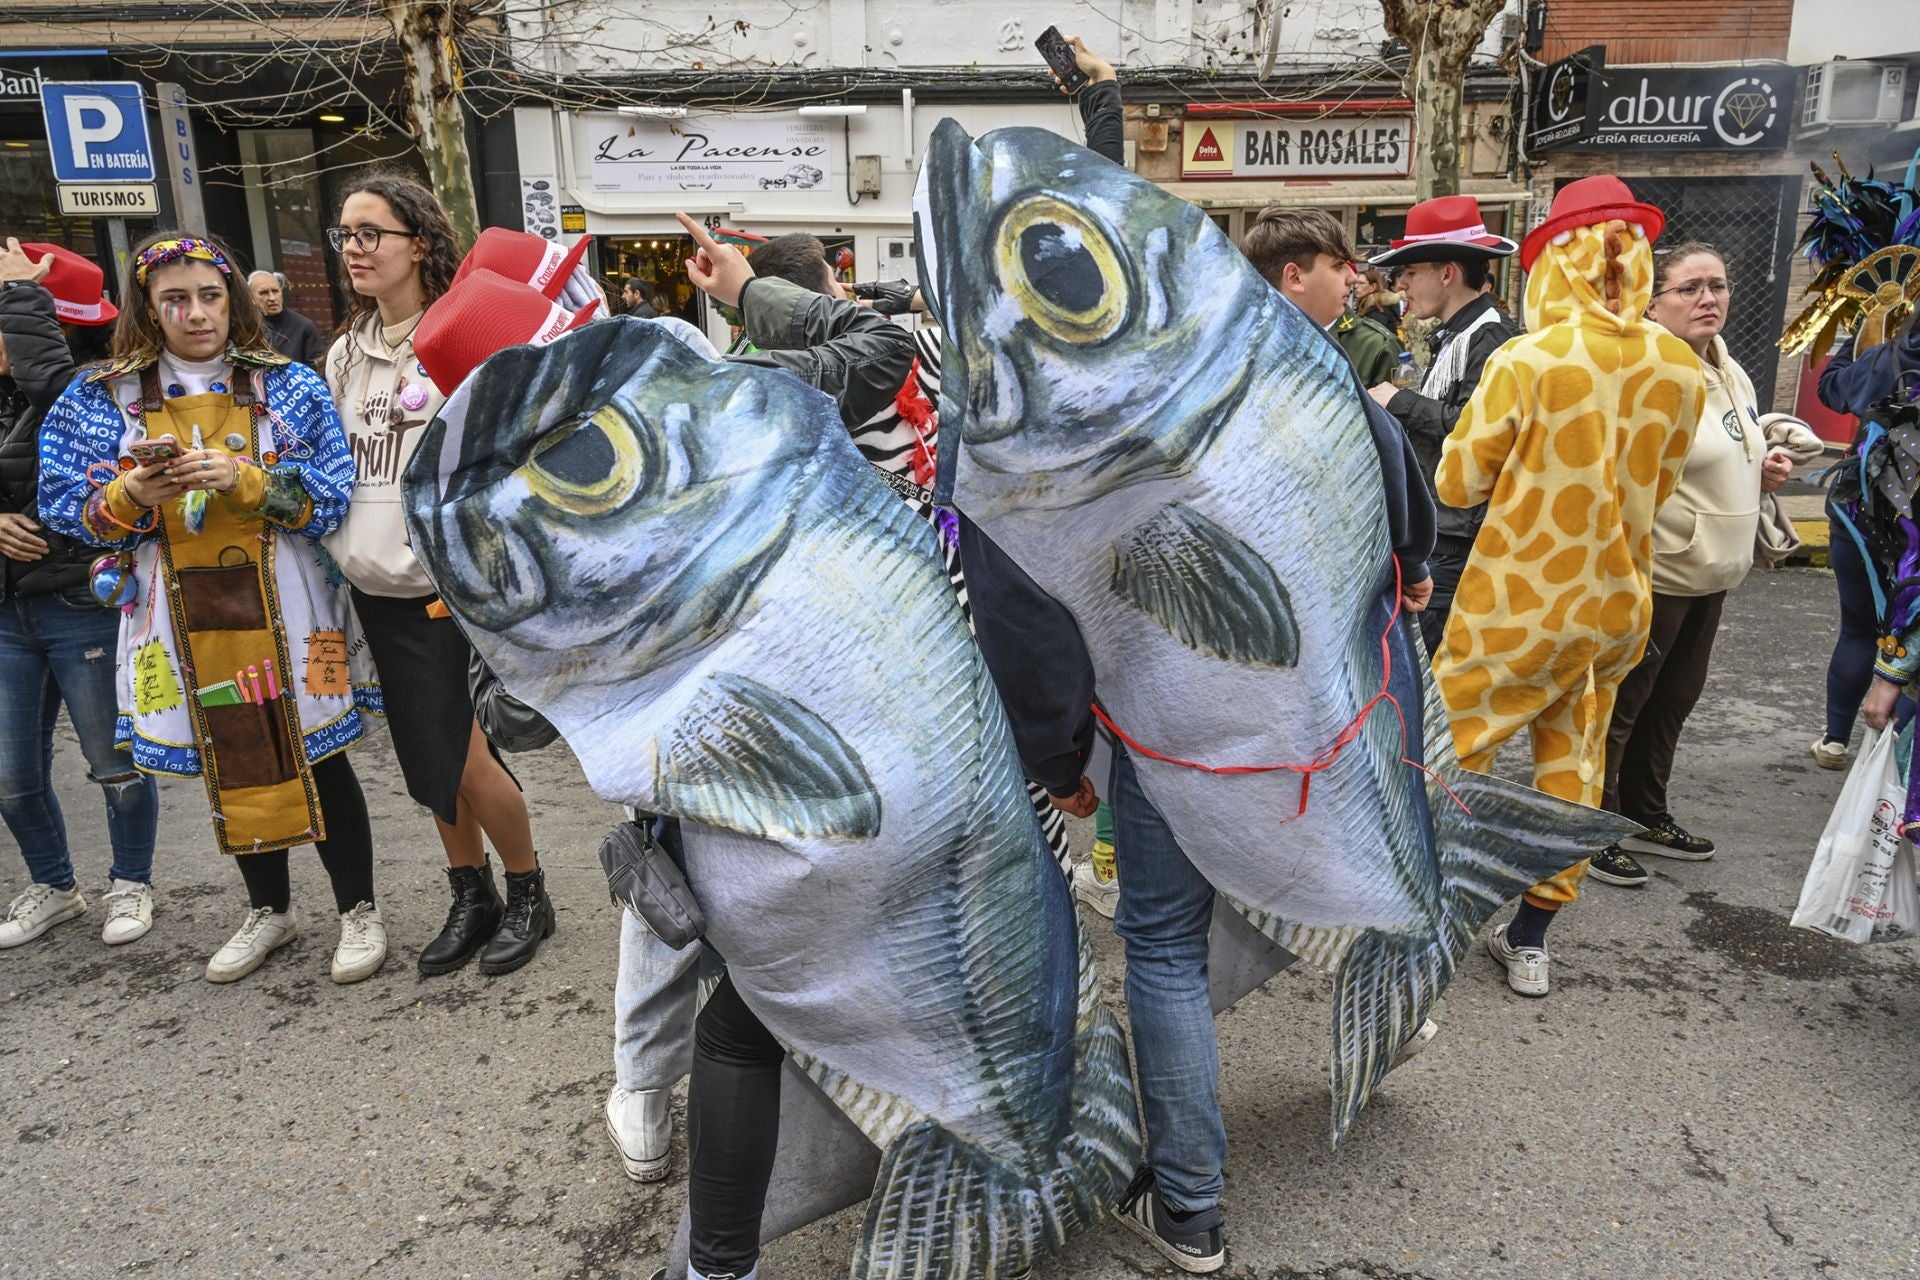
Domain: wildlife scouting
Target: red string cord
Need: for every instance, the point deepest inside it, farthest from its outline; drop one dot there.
(1326, 758)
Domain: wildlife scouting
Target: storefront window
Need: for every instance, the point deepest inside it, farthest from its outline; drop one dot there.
(289, 225)
(30, 207)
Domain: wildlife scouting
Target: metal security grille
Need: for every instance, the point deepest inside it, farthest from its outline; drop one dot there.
(1753, 222)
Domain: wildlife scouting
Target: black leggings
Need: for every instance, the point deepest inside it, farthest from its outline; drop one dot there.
(347, 852)
(733, 1125)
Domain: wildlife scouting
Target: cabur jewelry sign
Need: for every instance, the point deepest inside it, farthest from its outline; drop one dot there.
(766, 154)
(1334, 147)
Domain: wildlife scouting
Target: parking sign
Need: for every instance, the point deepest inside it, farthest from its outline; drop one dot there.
(97, 130)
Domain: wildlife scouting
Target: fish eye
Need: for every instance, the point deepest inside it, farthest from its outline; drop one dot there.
(589, 468)
(1063, 269)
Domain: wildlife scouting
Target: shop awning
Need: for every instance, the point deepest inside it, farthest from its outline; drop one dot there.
(1240, 194)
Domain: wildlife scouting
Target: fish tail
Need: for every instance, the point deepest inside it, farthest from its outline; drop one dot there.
(1506, 840)
(944, 1208)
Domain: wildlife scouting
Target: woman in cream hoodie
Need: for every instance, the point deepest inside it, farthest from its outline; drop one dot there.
(1703, 545)
(398, 249)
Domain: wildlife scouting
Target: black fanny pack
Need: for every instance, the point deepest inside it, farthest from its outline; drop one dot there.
(644, 879)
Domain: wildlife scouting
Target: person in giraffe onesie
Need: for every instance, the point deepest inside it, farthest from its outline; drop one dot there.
(1575, 436)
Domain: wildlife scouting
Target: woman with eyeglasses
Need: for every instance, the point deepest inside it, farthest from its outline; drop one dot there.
(400, 255)
(1703, 546)
(210, 464)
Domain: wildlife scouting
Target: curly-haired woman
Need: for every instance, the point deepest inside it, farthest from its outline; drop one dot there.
(400, 255)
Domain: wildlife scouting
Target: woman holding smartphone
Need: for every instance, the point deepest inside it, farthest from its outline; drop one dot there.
(210, 463)
(399, 252)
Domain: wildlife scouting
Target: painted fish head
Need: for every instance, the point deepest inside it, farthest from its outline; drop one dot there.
(614, 493)
(1099, 331)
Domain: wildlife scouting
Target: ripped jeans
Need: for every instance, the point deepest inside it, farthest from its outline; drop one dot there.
(59, 648)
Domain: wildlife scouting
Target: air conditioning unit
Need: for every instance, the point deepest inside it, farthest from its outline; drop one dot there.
(1849, 92)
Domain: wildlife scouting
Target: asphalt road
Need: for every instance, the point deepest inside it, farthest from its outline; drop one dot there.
(1707, 1093)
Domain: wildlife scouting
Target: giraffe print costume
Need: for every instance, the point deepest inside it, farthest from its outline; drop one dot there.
(1575, 436)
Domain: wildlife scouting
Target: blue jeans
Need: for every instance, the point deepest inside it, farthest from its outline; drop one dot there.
(55, 648)
(1165, 911)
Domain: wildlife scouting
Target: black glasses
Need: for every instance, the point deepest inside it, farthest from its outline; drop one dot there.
(365, 239)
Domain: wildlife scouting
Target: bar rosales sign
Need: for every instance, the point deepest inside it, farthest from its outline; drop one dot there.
(1332, 147)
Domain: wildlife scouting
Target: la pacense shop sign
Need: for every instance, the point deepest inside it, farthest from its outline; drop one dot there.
(1333, 147)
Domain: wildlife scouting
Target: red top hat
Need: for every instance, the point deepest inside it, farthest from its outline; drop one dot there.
(76, 284)
(1445, 229)
(1588, 202)
(483, 314)
(523, 257)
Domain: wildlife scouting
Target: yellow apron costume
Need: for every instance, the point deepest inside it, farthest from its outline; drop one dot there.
(217, 606)
(1575, 436)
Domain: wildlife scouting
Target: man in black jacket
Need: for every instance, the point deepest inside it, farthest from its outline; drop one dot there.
(57, 644)
(1445, 263)
(292, 334)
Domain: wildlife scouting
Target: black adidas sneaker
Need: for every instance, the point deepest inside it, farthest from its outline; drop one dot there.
(1196, 1251)
(1665, 838)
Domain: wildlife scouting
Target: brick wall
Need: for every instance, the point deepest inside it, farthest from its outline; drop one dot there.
(1671, 31)
(39, 24)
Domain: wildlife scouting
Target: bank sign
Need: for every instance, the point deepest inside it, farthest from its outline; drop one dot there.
(1690, 109)
(761, 153)
(1336, 147)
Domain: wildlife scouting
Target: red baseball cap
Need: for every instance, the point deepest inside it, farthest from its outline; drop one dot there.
(77, 284)
(1588, 202)
(483, 314)
(526, 258)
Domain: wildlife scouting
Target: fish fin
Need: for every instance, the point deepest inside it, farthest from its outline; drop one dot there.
(1386, 986)
(1322, 946)
(944, 1208)
(1510, 838)
(746, 758)
(1211, 591)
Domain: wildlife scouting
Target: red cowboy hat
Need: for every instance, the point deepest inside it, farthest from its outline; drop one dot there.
(1445, 229)
(523, 257)
(76, 284)
(1587, 202)
(483, 314)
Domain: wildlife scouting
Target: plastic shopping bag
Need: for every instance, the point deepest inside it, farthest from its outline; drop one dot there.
(1861, 887)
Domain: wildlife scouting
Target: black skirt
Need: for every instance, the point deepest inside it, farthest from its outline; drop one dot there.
(422, 663)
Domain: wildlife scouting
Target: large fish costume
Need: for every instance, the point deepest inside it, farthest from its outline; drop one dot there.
(686, 566)
(1179, 456)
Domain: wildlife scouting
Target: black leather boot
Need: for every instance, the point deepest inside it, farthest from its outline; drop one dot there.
(471, 921)
(527, 922)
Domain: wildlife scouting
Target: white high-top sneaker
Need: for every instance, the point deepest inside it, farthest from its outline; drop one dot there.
(264, 932)
(363, 944)
(641, 1127)
(129, 912)
(38, 909)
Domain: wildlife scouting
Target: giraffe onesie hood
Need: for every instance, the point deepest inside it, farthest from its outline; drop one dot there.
(1574, 437)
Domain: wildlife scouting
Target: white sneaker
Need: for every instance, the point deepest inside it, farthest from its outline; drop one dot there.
(1526, 966)
(1416, 1044)
(129, 912)
(1100, 895)
(37, 910)
(264, 932)
(641, 1127)
(363, 944)
(1829, 754)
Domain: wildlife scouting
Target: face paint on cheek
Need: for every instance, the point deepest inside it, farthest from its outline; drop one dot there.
(173, 314)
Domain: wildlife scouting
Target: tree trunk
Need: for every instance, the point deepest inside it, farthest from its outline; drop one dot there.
(1440, 36)
(1437, 99)
(424, 30)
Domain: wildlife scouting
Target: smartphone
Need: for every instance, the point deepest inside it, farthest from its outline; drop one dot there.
(1059, 55)
(148, 452)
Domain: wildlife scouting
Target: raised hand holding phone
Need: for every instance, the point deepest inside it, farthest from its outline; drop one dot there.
(1062, 60)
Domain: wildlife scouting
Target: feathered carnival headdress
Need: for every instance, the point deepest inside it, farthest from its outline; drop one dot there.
(1865, 239)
